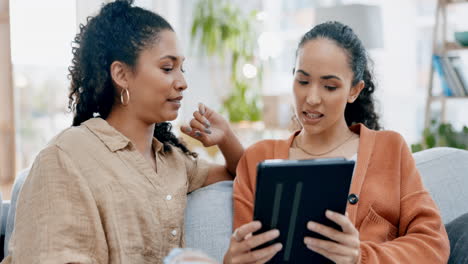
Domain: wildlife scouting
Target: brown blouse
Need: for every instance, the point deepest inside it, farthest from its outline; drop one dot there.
(91, 197)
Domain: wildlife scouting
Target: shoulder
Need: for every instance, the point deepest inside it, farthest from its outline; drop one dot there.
(389, 138)
(262, 148)
(388, 145)
(72, 138)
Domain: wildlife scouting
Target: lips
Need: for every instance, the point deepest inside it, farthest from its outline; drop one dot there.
(175, 99)
(311, 117)
(313, 114)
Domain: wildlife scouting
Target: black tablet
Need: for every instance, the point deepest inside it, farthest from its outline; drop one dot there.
(292, 192)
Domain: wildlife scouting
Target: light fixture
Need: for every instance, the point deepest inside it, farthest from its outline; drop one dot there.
(249, 71)
(365, 20)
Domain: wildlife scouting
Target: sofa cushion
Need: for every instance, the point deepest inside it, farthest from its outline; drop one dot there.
(445, 174)
(208, 219)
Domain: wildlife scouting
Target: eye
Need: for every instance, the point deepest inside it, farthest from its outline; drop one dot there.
(182, 70)
(330, 88)
(302, 82)
(167, 69)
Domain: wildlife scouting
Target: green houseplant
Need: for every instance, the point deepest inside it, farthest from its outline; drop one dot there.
(442, 135)
(220, 29)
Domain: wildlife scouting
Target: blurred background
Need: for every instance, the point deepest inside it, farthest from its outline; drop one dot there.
(240, 56)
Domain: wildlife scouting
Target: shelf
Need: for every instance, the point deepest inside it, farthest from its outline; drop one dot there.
(454, 2)
(452, 46)
(443, 97)
(444, 49)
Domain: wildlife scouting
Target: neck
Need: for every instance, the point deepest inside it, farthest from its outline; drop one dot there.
(323, 141)
(139, 132)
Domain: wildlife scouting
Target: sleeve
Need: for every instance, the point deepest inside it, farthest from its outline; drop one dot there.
(57, 219)
(422, 236)
(243, 192)
(197, 171)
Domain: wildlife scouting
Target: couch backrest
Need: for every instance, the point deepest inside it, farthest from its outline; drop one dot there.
(445, 174)
(208, 217)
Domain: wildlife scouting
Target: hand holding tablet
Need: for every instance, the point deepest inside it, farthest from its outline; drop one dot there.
(291, 193)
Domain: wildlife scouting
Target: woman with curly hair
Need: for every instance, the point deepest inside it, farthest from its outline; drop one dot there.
(113, 187)
(390, 217)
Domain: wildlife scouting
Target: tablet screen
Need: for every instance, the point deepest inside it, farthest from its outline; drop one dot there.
(292, 192)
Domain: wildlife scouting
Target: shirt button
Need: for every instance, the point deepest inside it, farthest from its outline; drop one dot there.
(168, 197)
(353, 198)
(174, 232)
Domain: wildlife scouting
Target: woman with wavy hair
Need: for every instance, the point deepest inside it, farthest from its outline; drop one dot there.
(390, 217)
(113, 187)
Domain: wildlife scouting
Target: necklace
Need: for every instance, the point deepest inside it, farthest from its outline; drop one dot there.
(328, 151)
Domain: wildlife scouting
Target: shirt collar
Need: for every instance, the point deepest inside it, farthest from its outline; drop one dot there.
(113, 139)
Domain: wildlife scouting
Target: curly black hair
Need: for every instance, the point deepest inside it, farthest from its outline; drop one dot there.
(362, 110)
(118, 33)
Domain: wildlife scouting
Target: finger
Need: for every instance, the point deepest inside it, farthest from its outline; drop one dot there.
(200, 118)
(201, 108)
(197, 126)
(191, 132)
(258, 240)
(186, 130)
(342, 221)
(327, 231)
(333, 257)
(266, 259)
(331, 247)
(194, 133)
(248, 228)
(257, 255)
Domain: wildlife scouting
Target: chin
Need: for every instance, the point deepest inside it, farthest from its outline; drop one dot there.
(172, 116)
(313, 129)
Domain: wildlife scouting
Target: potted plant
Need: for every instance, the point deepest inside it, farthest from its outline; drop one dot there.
(221, 30)
(442, 135)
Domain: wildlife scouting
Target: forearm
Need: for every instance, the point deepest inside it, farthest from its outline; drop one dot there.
(232, 151)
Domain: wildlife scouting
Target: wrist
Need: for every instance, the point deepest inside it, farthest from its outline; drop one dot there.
(228, 135)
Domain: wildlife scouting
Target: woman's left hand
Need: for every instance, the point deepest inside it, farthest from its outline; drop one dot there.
(344, 247)
(207, 126)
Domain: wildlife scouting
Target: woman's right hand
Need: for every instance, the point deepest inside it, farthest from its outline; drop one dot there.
(242, 243)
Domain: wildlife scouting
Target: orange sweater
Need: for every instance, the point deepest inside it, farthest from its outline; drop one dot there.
(397, 219)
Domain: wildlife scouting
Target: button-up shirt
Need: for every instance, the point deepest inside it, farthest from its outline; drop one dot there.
(91, 197)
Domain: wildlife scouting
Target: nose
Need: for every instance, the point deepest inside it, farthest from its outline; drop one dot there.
(313, 96)
(180, 83)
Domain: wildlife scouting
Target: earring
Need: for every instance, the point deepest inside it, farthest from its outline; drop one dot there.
(122, 96)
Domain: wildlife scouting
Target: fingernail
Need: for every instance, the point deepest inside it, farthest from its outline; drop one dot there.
(311, 225)
(207, 123)
(329, 213)
(201, 107)
(197, 133)
(278, 246)
(306, 241)
(310, 242)
(275, 233)
(187, 129)
(207, 131)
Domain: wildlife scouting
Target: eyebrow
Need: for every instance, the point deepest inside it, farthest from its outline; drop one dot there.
(328, 77)
(325, 77)
(303, 72)
(171, 57)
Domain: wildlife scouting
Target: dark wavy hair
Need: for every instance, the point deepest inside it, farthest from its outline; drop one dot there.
(120, 32)
(362, 110)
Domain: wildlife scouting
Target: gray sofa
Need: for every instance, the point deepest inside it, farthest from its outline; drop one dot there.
(444, 171)
(208, 220)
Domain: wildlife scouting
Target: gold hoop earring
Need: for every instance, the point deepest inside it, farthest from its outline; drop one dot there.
(122, 96)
